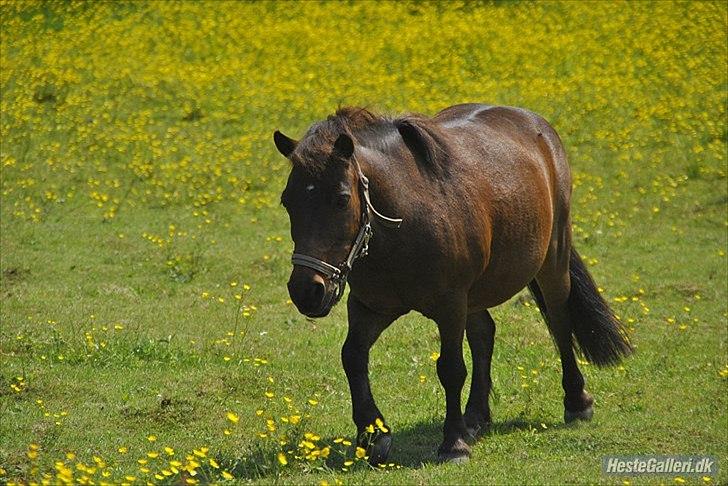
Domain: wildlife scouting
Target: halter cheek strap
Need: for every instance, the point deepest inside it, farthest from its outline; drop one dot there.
(360, 247)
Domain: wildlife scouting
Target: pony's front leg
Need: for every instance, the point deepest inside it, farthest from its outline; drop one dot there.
(451, 370)
(365, 326)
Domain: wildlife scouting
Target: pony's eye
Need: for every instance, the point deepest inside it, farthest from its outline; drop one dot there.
(342, 200)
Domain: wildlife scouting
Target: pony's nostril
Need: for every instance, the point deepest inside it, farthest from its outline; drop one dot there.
(317, 291)
(308, 295)
(318, 279)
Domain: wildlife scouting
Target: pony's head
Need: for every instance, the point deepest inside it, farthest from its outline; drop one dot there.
(324, 204)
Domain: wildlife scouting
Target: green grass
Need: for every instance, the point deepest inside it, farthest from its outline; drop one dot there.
(648, 148)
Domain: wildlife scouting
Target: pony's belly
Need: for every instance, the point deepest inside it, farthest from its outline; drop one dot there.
(501, 281)
(485, 295)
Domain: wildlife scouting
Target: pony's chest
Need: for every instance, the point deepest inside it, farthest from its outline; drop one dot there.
(399, 285)
(376, 289)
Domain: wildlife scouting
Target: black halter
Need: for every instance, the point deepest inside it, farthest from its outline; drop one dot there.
(338, 274)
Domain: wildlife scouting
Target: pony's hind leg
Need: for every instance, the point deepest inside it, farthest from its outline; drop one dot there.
(480, 330)
(577, 315)
(551, 291)
(365, 326)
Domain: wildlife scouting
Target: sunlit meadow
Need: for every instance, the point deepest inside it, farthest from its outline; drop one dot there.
(146, 333)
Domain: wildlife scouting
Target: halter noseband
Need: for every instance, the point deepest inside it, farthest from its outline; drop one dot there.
(360, 248)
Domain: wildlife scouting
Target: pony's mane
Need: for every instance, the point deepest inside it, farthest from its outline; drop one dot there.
(419, 133)
(313, 151)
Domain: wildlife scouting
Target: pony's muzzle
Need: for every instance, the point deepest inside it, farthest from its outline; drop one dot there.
(309, 293)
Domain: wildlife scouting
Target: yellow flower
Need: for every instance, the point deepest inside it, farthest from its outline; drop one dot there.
(152, 438)
(214, 463)
(227, 476)
(282, 459)
(233, 417)
(361, 453)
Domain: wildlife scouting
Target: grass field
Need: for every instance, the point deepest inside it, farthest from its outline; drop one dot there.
(146, 333)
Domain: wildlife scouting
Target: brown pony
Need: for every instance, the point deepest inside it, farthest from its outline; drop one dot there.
(477, 202)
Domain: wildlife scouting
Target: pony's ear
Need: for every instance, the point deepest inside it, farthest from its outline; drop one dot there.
(421, 142)
(415, 138)
(344, 146)
(284, 144)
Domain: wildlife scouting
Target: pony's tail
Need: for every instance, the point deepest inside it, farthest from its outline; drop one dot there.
(597, 332)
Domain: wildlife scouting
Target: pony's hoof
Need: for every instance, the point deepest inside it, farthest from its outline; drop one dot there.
(476, 424)
(453, 458)
(477, 430)
(379, 449)
(459, 453)
(585, 414)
